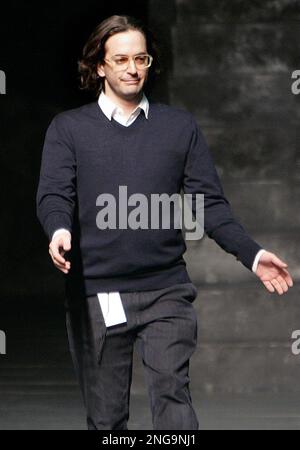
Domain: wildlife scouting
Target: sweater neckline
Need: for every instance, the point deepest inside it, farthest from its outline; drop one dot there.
(114, 123)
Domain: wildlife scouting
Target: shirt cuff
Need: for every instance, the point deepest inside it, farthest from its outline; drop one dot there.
(256, 259)
(60, 230)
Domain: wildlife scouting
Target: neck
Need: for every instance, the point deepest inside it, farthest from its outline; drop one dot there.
(127, 104)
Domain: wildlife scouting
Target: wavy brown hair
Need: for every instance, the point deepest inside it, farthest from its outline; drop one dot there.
(94, 50)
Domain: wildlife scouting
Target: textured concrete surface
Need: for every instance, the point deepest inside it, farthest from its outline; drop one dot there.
(232, 69)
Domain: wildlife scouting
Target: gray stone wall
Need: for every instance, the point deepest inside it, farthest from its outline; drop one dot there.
(231, 64)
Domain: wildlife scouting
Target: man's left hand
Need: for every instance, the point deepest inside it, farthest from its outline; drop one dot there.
(273, 273)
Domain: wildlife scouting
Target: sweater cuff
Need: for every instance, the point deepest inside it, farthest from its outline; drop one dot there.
(248, 252)
(256, 260)
(55, 221)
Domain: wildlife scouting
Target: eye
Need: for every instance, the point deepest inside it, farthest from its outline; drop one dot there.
(121, 60)
(141, 59)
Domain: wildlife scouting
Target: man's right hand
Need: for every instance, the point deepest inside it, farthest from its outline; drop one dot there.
(61, 243)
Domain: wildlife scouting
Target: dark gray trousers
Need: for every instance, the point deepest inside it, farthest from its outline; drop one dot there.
(163, 323)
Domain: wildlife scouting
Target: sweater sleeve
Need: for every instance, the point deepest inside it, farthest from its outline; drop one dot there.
(56, 193)
(200, 176)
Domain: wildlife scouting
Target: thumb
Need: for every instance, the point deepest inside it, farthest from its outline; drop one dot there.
(278, 261)
(66, 244)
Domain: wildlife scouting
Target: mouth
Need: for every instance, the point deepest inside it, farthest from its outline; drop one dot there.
(131, 81)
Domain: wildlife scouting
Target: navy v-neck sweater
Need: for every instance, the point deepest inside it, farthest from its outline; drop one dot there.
(85, 155)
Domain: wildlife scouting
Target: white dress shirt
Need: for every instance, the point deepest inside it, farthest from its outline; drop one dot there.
(111, 110)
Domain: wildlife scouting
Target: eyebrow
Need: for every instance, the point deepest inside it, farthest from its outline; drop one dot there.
(122, 54)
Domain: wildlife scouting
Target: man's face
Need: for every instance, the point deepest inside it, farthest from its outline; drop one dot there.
(127, 83)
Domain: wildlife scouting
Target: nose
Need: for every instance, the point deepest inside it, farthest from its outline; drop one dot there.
(131, 66)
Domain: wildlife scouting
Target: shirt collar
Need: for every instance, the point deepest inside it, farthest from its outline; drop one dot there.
(109, 107)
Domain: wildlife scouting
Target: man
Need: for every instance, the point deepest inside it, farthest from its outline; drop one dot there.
(123, 140)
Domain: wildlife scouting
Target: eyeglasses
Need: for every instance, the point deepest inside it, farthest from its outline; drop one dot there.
(122, 62)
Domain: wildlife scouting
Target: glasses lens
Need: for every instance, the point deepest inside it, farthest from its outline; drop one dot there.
(121, 62)
(142, 61)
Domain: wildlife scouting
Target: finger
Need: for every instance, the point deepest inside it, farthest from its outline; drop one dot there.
(287, 277)
(62, 268)
(277, 286)
(269, 286)
(58, 263)
(283, 283)
(66, 244)
(55, 252)
(278, 262)
(67, 265)
(58, 259)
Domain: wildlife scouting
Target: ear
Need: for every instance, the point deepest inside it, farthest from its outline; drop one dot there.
(100, 70)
